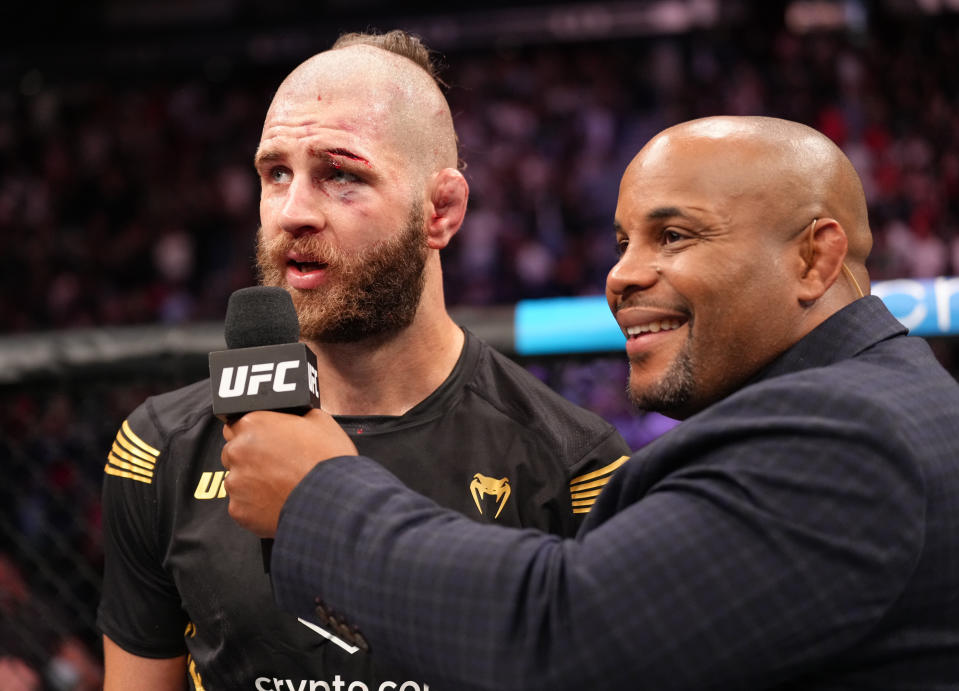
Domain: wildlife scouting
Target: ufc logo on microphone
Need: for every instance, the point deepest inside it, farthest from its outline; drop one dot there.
(249, 378)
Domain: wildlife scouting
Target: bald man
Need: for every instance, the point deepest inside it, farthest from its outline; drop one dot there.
(798, 530)
(360, 190)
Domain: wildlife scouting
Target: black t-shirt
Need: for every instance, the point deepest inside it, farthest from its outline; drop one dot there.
(492, 442)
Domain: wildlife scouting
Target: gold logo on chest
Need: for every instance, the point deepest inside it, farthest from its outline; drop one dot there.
(482, 486)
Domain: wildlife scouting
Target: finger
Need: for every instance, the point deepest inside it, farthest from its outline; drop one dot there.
(227, 455)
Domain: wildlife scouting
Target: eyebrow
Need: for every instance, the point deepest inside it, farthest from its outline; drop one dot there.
(657, 214)
(662, 212)
(273, 155)
(266, 157)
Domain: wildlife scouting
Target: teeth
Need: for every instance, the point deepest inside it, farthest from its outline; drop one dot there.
(653, 327)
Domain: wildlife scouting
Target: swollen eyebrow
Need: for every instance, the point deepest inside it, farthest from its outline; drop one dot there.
(347, 154)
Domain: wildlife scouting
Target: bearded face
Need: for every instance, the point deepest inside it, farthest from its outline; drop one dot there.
(373, 293)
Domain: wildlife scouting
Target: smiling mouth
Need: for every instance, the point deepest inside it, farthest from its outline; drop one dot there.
(652, 327)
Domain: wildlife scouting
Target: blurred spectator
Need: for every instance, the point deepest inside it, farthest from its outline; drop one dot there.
(37, 650)
(125, 204)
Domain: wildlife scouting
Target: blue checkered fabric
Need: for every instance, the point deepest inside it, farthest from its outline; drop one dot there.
(802, 533)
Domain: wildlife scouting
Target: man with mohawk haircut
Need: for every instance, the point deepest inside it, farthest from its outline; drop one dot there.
(360, 191)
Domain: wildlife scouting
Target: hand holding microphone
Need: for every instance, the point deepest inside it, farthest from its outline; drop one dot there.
(264, 375)
(268, 454)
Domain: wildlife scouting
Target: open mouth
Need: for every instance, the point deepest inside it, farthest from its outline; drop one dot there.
(305, 267)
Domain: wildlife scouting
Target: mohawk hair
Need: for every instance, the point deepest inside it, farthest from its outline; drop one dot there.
(399, 42)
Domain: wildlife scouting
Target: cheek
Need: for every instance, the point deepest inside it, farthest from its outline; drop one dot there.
(269, 206)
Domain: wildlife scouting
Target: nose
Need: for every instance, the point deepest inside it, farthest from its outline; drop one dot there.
(633, 272)
(301, 212)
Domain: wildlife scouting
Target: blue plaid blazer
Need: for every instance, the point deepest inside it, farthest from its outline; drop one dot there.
(802, 533)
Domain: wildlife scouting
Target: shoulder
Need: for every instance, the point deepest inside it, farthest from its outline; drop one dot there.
(505, 384)
(514, 392)
(157, 442)
(161, 417)
(879, 422)
(893, 390)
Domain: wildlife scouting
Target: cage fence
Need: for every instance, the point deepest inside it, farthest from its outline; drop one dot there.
(55, 430)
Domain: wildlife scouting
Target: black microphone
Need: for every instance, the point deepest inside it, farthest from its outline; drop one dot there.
(265, 368)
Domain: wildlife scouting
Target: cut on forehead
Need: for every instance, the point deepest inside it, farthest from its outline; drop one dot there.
(383, 85)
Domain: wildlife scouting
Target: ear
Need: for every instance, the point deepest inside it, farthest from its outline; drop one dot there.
(822, 251)
(446, 207)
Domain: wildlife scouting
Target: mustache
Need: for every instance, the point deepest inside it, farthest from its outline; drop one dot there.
(313, 246)
(643, 303)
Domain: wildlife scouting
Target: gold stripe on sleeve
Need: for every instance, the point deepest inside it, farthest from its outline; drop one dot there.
(601, 482)
(605, 470)
(130, 457)
(136, 440)
(584, 489)
(110, 470)
(120, 453)
(132, 449)
(123, 465)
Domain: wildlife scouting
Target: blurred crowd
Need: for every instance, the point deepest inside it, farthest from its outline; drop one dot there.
(127, 203)
(132, 203)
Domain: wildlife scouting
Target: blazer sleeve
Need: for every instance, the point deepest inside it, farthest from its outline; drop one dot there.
(767, 547)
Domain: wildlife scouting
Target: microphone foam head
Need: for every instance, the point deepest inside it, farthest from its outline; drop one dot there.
(260, 316)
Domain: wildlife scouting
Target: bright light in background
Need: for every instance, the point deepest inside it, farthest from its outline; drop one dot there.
(804, 16)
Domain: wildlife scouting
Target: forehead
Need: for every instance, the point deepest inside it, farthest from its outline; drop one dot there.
(704, 176)
(327, 103)
(356, 114)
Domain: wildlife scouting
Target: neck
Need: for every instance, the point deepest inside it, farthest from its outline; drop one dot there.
(388, 376)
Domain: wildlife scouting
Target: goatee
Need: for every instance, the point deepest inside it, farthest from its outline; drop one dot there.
(371, 294)
(673, 390)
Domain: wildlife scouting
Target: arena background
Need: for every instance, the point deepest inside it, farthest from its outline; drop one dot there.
(128, 203)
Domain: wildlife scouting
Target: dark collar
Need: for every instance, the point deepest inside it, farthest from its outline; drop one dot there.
(848, 332)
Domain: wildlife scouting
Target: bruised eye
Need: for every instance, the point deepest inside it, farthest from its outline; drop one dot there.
(340, 176)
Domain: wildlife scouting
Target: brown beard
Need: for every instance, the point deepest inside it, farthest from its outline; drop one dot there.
(374, 293)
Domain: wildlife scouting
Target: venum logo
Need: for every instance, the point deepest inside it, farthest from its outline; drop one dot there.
(249, 378)
(498, 488)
